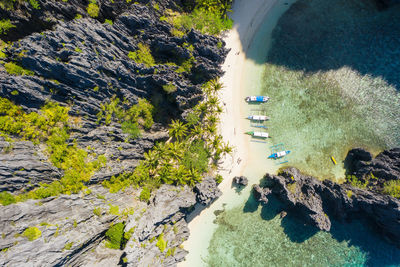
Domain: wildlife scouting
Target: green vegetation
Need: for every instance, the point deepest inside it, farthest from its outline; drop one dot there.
(207, 16)
(219, 178)
(32, 233)
(34, 4)
(392, 188)
(169, 88)
(6, 198)
(50, 125)
(142, 55)
(292, 187)
(108, 21)
(77, 49)
(349, 193)
(93, 9)
(161, 243)
(114, 210)
(354, 181)
(185, 157)
(170, 252)
(14, 69)
(5, 26)
(115, 236)
(145, 194)
(68, 246)
(131, 119)
(97, 211)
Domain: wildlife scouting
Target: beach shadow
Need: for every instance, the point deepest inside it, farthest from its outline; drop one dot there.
(319, 35)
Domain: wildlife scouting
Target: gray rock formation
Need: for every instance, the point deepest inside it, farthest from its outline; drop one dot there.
(240, 180)
(207, 191)
(312, 200)
(68, 219)
(165, 215)
(261, 194)
(23, 165)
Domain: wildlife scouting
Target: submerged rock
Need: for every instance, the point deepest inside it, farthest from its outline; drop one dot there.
(261, 194)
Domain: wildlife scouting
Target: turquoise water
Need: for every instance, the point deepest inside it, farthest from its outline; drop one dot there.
(332, 72)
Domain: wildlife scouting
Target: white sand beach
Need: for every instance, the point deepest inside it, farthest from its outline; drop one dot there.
(248, 15)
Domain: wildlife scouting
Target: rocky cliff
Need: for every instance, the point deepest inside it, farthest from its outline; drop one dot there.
(316, 201)
(82, 62)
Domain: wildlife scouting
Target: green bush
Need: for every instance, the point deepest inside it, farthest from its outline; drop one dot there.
(97, 211)
(161, 243)
(5, 26)
(93, 9)
(392, 188)
(108, 21)
(6, 198)
(145, 194)
(32, 233)
(15, 69)
(142, 55)
(131, 128)
(219, 178)
(196, 157)
(68, 246)
(115, 236)
(169, 88)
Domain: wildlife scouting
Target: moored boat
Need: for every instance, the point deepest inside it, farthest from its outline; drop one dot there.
(258, 134)
(279, 154)
(258, 118)
(257, 99)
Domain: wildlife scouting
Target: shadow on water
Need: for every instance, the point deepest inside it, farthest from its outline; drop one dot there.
(356, 233)
(320, 35)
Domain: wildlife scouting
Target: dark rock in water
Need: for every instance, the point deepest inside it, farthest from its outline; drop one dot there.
(282, 214)
(261, 194)
(384, 167)
(240, 180)
(207, 191)
(23, 166)
(312, 200)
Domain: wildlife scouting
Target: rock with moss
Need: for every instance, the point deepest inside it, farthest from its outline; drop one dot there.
(315, 202)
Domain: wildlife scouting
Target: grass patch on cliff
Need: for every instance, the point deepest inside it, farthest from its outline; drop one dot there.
(15, 69)
(5, 26)
(93, 9)
(117, 237)
(32, 233)
(50, 126)
(161, 243)
(392, 188)
(142, 55)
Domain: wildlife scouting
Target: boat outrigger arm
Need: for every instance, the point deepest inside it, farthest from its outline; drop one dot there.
(258, 118)
(258, 134)
(259, 99)
(279, 154)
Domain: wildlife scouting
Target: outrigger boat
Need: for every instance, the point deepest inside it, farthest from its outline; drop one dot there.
(257, 99)
(258, 134)
(279, 154)
(258, 118)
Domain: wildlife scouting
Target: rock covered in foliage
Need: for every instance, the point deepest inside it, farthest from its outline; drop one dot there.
(240, 180)
(69, 227)
(207, 191)
(384, 167)
(23, 165)
(28, 19)
(312, 200)
(85, 63)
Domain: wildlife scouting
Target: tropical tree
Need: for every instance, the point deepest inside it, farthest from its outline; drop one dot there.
(193, 177)
(176, 150)
(177, 129)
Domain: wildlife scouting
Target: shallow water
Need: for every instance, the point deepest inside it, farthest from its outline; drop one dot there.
(334, 83)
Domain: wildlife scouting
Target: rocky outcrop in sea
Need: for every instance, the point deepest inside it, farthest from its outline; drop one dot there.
(316, 201)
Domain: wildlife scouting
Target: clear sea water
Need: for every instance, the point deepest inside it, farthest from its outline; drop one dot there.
(332, 70)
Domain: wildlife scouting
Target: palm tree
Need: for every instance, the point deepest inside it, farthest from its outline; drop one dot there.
(176, 150)
(180, 175)
(193, 177)
(177, 129)
(216, 85)
(226, 148)
(197, 131)
(151, 159)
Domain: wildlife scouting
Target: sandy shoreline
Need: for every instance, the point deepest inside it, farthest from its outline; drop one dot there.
(247, 19)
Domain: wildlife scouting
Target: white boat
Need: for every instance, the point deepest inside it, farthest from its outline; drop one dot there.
(259, 99)
(258, 118)
(258, 134)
